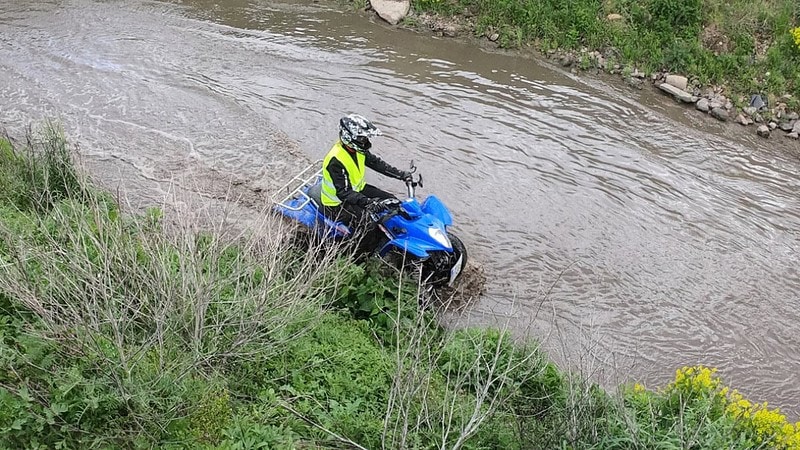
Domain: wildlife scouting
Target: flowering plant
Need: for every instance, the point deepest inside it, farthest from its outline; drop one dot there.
(796, 35)
(769, 426)
(698, 392)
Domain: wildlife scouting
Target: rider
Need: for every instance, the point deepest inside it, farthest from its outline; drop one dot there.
(345, 193)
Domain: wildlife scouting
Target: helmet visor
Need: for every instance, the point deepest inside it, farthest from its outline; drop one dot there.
(362, 143)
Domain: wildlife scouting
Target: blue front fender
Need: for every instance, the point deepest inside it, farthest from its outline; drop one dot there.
(416, 247)
(436, 208)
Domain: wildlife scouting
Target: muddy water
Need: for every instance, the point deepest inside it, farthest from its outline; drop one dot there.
(629, 243)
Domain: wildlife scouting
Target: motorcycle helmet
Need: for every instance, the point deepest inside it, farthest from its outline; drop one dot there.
(355, 131)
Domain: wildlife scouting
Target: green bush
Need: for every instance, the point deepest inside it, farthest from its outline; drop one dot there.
(115, 330)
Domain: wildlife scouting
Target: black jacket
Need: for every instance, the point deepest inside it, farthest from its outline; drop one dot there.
(341, 180)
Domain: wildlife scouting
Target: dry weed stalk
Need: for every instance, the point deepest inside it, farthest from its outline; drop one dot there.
(411, 406)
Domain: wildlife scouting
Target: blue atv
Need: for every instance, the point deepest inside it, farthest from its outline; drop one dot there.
(414, 234)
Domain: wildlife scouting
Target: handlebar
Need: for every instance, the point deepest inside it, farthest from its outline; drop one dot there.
(411, 185)
(392, 207)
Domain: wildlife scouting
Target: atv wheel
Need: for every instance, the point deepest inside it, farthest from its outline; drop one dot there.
(438, 267)
(459, 249)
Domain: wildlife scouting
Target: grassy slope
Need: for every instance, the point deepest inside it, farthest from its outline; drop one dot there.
(750, 46)
(115, 333)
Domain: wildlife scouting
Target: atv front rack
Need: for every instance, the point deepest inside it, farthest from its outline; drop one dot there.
(295, 189)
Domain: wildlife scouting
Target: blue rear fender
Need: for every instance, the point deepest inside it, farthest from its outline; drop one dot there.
(307, 213)
(433, 206)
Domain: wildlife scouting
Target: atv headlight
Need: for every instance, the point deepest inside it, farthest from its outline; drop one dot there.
(439, 236)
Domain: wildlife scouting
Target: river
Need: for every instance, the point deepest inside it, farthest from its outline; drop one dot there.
(628, 234)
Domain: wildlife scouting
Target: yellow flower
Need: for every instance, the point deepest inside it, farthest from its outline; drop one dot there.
(638, 388)
(768, 426)
(696, 379)
(796, 34)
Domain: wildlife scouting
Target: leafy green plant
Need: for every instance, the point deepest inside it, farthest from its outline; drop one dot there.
(796, 36)
(385, 301)
(117, 323)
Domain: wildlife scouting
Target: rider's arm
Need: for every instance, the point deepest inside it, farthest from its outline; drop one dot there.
(377, 164)
(341, 182)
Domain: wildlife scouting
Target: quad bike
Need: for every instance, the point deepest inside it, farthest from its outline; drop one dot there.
(414, 234)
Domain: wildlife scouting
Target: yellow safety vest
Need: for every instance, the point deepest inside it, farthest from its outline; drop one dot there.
(355, 173)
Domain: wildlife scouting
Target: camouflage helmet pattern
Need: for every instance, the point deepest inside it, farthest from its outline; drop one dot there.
(355, 131)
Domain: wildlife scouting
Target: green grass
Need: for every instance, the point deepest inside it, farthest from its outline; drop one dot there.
(745, 45)
(118, 331)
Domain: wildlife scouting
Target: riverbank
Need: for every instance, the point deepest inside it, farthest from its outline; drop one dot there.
(735, 61)
(125, 330)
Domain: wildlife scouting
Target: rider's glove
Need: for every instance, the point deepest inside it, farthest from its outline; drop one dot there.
(406, 176)
(390, 203)
(375, 206)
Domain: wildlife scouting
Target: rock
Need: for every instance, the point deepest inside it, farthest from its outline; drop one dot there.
(634, 82)
(392, 11)
(792, 116)
(793, 135)
(494, 37)
(763, 131)
(614, 17)
(750, 111)
(655, 76)
(728, 105)
(787, 126)
(758, 118)
(758, 102)
(716, 104)
(637, 74)
(449, 31)
(720, 114)
(702, 105)
(567, 60)
(679, 94)
(601, 62)
(744, 120)
(678, 81)
(773, 125)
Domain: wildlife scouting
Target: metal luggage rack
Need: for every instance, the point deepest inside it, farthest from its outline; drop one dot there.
(294, 187)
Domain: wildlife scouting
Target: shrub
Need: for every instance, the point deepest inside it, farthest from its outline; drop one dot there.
(697, 410)
(116, 327)
(796, 36)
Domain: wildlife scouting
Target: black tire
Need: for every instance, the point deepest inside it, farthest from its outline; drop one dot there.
(437, 268)
(459, 249)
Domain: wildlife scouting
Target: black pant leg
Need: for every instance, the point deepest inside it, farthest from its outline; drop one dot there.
(374, 192)
(366, 234)
(350, 215)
